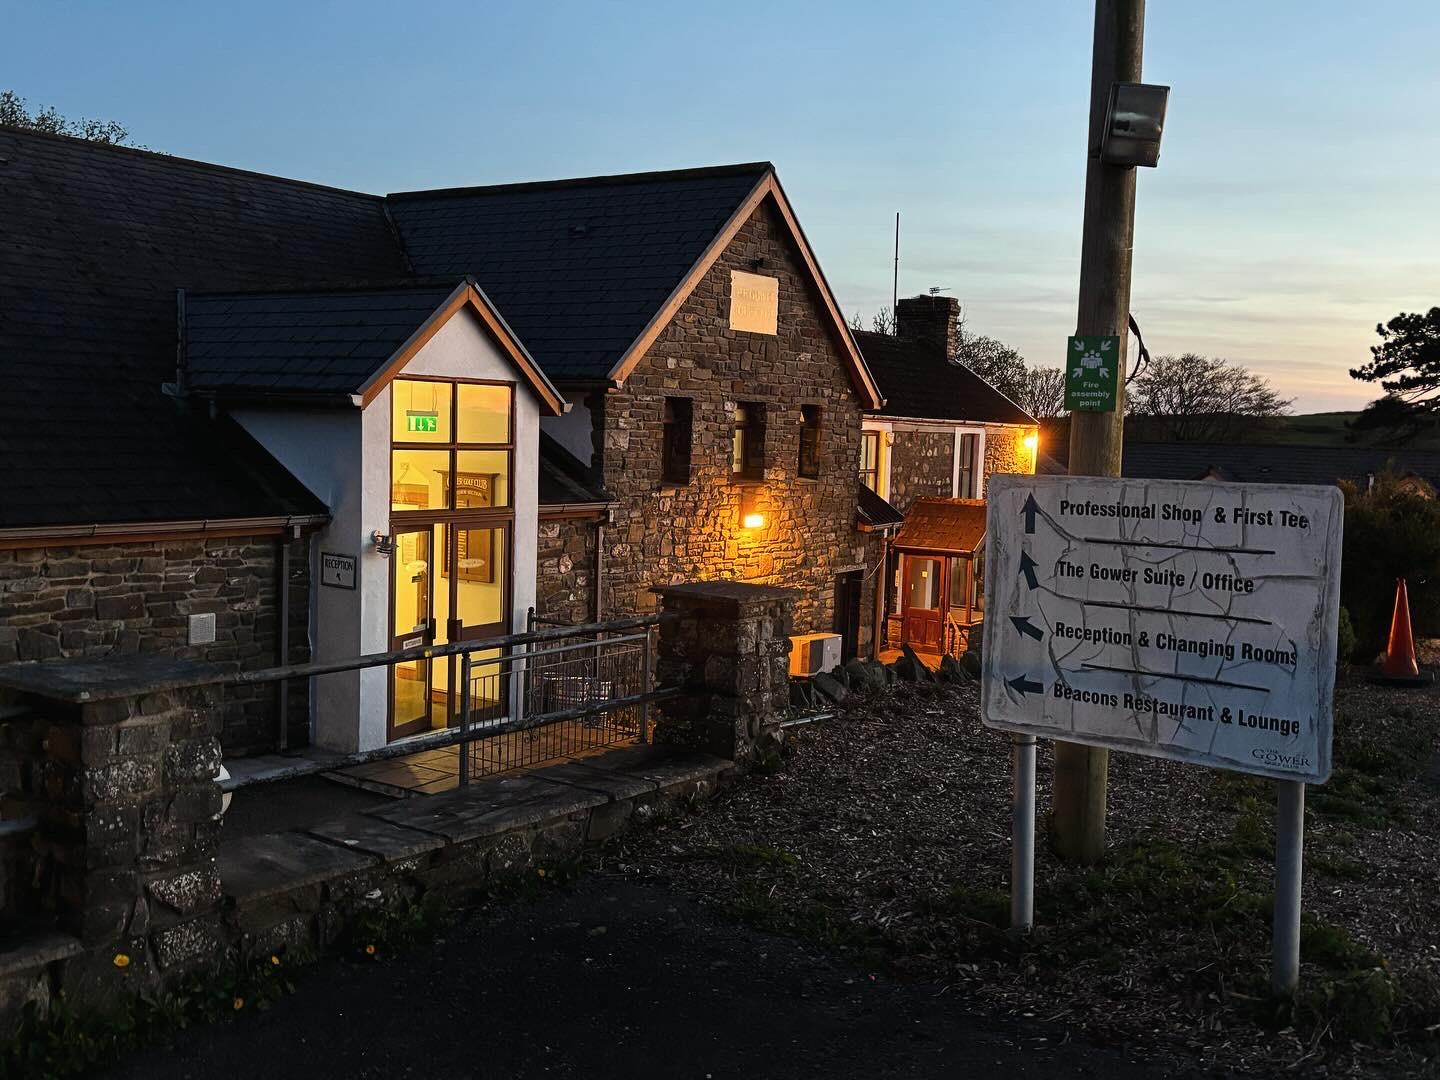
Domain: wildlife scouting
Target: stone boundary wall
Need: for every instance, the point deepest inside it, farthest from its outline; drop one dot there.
(136, 598)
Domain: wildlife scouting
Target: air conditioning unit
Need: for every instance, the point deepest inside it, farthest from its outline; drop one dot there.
(811, 654)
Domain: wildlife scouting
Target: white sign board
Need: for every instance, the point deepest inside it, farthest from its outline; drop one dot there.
(1186, 620)
(337, 571)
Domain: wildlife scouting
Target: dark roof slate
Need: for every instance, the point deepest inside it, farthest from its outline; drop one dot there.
(94, 241)
(874, 510)
(577, 267)
(307, 342)
(919, 381)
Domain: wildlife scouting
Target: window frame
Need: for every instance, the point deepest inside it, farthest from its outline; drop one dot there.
(810, 435)
(967, 466)
(671, 425)
(873, 437)
(750, 435)
(453, 448)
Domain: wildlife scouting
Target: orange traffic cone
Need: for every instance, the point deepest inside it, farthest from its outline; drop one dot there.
(1400, 662)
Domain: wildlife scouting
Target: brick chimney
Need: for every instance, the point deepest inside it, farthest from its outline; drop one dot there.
(933, 318)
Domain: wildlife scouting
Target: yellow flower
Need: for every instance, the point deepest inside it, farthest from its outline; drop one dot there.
(369, 950)
(239, 1003)
(275, 960)
(121, 960)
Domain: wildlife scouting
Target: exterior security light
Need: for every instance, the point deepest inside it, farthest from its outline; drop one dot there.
(1133, 124)
(1032, 441)
(753, 521)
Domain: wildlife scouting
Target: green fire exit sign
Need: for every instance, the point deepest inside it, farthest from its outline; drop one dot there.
(1092, 373)
(426, 422)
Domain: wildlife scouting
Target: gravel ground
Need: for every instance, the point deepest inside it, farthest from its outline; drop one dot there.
(886, 833)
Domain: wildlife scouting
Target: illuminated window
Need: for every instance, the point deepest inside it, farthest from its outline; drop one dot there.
(676, 442)
(747, 447)
(870, 460)
(809, 441)
(451, 445)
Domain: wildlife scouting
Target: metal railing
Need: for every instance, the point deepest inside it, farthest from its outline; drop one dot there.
(575, 696)
(523, 698)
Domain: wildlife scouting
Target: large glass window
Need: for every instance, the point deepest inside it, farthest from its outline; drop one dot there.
(451, 445)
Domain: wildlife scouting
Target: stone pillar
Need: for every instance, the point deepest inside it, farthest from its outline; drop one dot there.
(124, 791)
(728, 645)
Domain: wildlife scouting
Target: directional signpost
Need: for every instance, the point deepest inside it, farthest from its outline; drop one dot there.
(1194, 621)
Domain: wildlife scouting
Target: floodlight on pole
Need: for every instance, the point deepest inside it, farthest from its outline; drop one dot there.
(1134, 123)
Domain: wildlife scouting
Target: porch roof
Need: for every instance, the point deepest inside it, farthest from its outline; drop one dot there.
(935, 526)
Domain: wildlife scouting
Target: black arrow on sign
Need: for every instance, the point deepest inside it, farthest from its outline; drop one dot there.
(1027, 567)
(1022, 685)
(1025, 626)
(1030, 509)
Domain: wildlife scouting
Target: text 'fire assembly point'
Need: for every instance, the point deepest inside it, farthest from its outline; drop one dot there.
(1186, 620)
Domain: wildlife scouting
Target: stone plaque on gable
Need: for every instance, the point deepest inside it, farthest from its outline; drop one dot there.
(754, 302)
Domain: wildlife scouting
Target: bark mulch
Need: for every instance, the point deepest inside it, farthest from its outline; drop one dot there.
(885, 833)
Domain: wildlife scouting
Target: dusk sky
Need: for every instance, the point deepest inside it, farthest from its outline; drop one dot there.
(1295, 205)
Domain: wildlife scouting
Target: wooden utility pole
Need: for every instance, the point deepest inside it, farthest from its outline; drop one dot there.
(1081, 772)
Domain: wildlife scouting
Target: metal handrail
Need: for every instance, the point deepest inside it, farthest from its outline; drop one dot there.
(430, 652)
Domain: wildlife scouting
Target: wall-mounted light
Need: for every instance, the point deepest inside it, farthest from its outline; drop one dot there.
(1032, 442)
(385, 545)
(753, 520)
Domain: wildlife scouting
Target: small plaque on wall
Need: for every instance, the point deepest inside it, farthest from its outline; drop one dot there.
(337, 571)
(754, 302)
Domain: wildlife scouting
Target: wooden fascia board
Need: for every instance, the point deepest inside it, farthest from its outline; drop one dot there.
(661, 319)
(466, 295)
(767, 187)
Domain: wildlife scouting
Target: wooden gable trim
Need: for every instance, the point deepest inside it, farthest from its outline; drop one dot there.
(467, 295)
(768, 187)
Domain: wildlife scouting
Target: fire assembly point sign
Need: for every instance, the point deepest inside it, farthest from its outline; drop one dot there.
(1186, 620)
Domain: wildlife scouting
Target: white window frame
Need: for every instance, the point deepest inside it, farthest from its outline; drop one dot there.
(978, 465)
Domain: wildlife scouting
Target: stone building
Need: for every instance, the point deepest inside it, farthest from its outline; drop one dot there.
(942, 432)
(256, 421)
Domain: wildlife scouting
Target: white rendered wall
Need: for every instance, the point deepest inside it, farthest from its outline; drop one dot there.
(343, 456)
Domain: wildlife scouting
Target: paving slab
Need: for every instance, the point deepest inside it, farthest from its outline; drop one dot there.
(613, 785)
(659, 767)
(374, 836)
(490, 807)
(260, 866)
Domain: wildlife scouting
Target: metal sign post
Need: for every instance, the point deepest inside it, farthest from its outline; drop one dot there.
(1194, 621)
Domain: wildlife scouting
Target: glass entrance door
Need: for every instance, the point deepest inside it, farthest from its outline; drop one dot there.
(412, 624)
(480, 571)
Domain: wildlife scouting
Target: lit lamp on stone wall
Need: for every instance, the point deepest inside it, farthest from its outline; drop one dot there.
(750, 516)
(1032, 443)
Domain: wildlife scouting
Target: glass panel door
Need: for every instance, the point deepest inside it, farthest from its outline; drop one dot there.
(412, 625)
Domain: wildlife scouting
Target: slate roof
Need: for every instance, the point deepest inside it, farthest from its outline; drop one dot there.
(304, 341)
(919, 381)
(942, 526)
(874, 511)
(577, 267)
(564, 480)
(94, 241)
(1264, 463)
